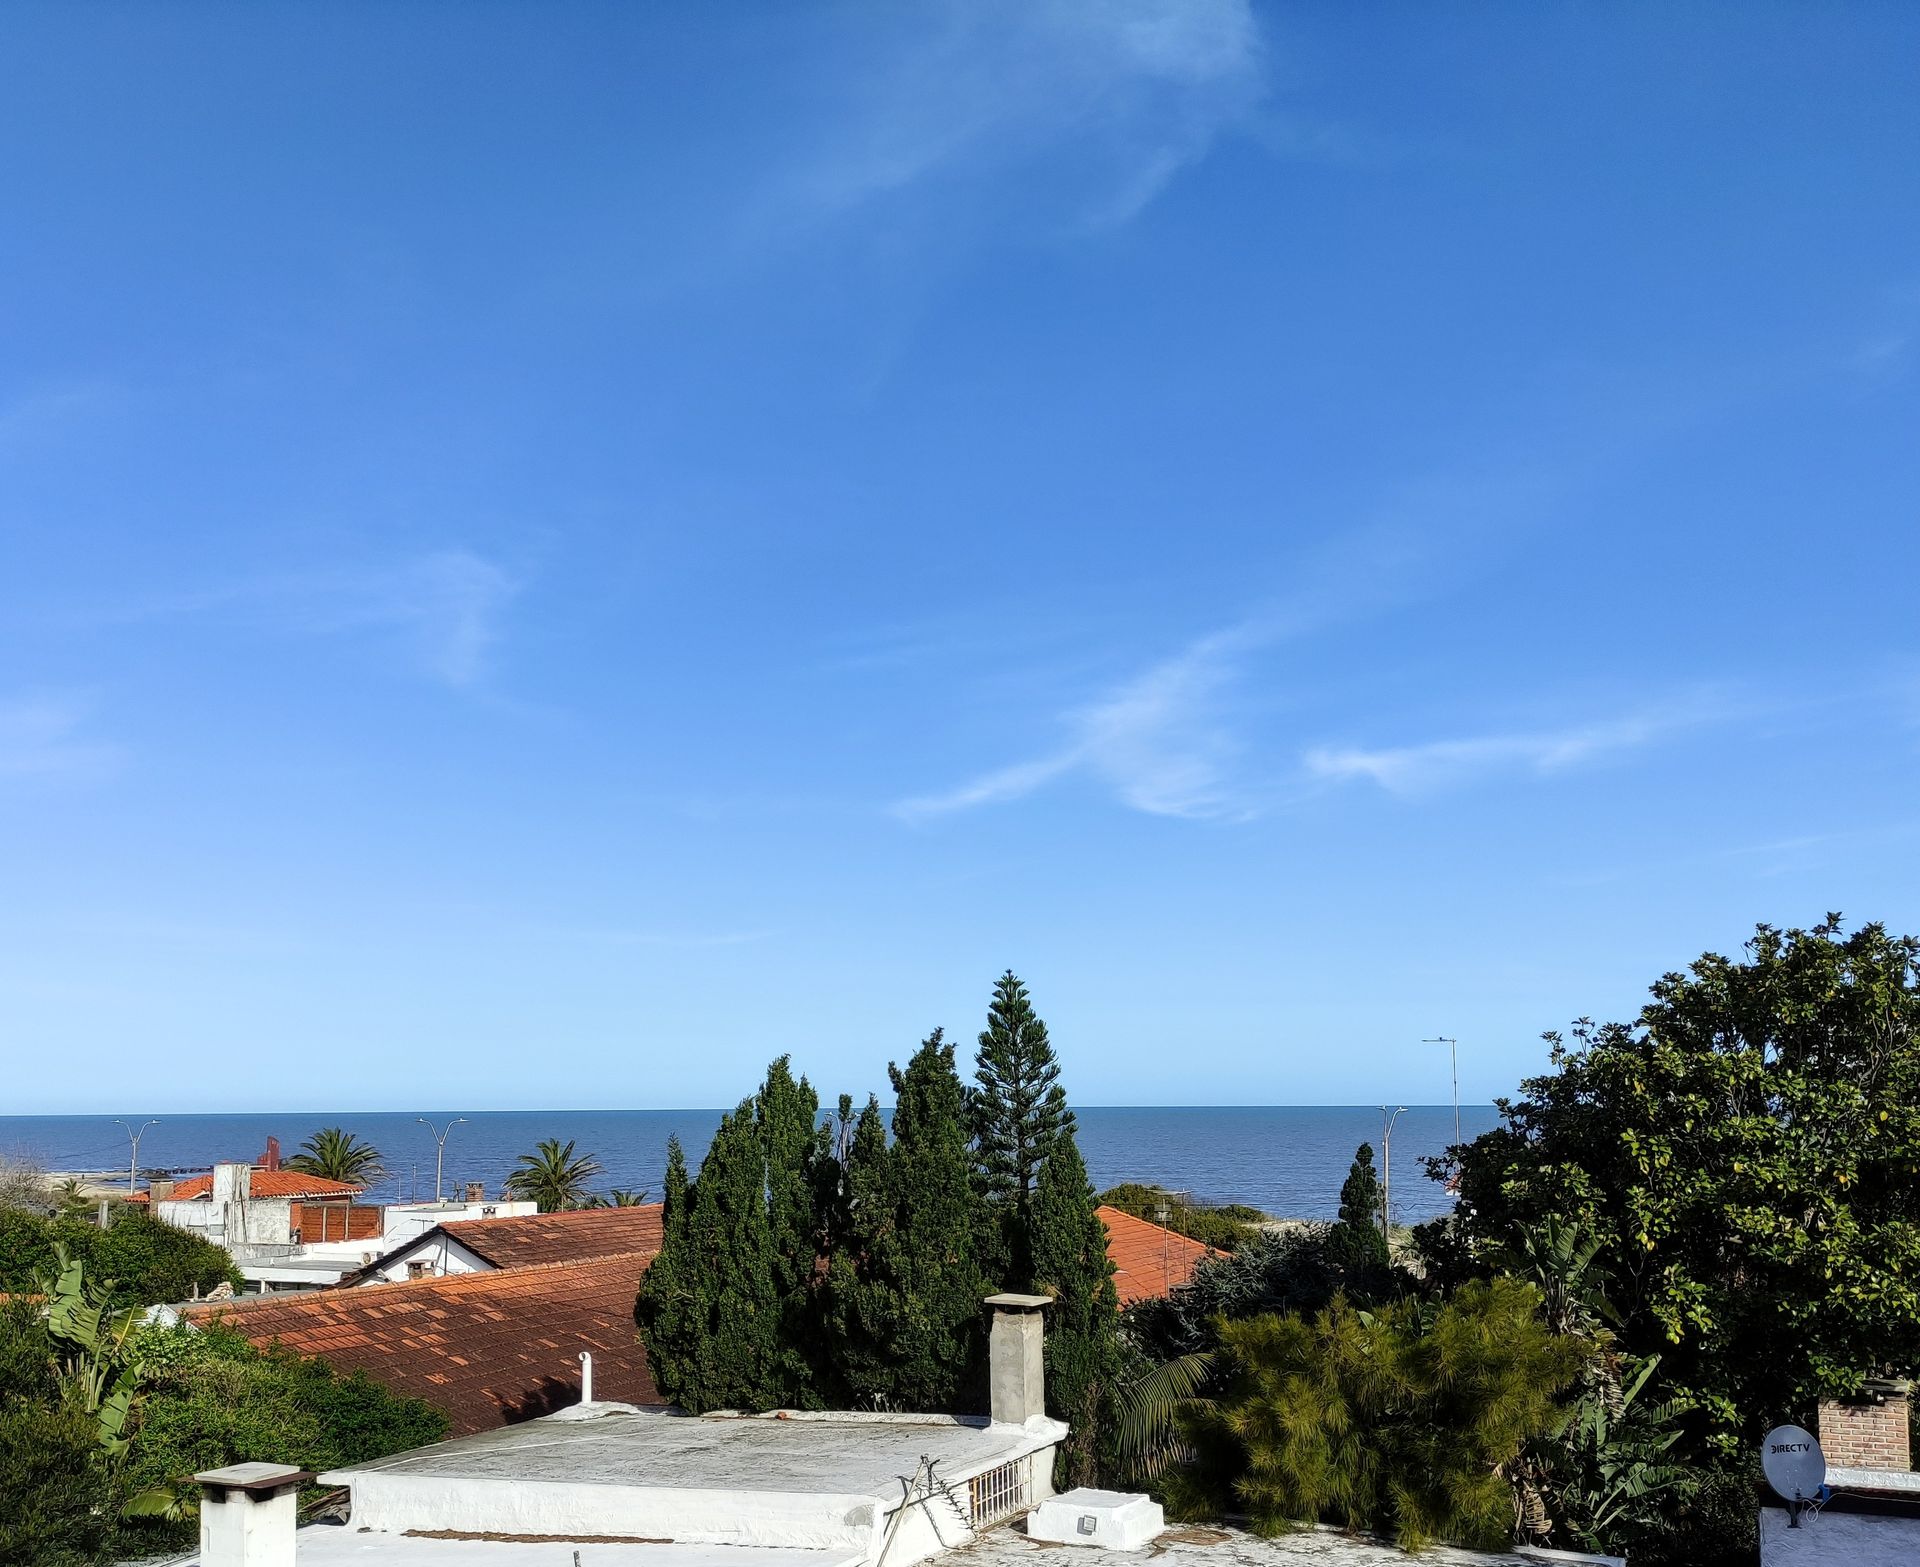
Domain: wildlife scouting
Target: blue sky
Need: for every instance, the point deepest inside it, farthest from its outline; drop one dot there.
(550, 553)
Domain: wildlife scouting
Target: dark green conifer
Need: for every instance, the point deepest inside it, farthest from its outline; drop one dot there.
(1083, 1353)
(669, 1310)
(713, 1322)
(1019, 1110)
(861, 1311)
(938, 1224)
(1356, 1241)
(793, 1146)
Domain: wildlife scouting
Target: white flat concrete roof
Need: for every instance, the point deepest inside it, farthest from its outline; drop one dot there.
(802, 1481)
(332, 1545)
(1199, 1546)
(837, 1454)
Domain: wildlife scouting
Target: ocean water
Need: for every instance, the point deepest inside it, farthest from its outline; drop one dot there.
(1286, 1159)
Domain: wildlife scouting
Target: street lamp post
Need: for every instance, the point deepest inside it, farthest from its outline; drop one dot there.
(133, 1163)
(1386, 1166)
(1452, 1045)
(440, 1147)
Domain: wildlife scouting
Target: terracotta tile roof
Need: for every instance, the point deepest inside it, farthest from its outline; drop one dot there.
(266, 1183)
(1147, 1260)
(489, 1348)
(517, 1241)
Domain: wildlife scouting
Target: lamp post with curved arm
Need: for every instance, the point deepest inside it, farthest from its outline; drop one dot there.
(133, 1164)
(440, 1147)
(1386, 1170)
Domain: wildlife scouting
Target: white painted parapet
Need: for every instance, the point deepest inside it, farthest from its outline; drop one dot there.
(248, 1513)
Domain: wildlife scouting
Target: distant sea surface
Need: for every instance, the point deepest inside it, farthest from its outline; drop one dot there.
(1288, 1160)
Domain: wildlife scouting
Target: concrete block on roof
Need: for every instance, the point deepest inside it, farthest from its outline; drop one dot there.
(1117, 1520)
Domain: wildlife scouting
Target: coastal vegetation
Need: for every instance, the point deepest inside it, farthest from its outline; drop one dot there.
(1694, 1227)
(137, 1260)
(104, 1417)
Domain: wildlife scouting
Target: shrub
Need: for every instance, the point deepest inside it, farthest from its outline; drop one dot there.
(1402, 1420)
(55, 1498)
(143, 1261)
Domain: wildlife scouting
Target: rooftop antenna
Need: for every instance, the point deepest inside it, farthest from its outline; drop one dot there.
(1791, 1459)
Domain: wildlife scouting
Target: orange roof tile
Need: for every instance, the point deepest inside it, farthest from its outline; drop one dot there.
(266, 1183)
(1147, 1260)
(518, 1240)
(489, 1348)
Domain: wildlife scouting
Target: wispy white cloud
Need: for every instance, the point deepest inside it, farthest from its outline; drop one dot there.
(1159, 741)
(440, 611)
(46, 738)
(1124, 92)
(1437, 764)
(445, 607)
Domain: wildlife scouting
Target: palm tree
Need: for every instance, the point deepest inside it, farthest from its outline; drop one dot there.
(336, 1154)
(625, 1197)
(552, 1177)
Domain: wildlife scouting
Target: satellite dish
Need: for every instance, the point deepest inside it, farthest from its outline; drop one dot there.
(1794, 1465)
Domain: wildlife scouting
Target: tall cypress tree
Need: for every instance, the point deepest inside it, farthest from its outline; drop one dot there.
(792, 1144)
(861, 1310)
(669, 1310)
(939, 1222)
(1019, 1111)
(713, 1319)
(1083, 1353)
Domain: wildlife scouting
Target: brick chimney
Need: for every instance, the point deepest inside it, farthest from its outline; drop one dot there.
(476, 1191)
(1870, 1431)
(248, 1513)
(1016, 1364)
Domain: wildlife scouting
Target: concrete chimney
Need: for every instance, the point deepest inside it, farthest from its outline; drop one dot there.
(1016, 1363)
(248, 1513)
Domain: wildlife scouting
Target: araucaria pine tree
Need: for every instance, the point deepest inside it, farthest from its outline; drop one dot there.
(1019, 1111)
(1356, 1242)
(1045, 1220)
(1068, 1245)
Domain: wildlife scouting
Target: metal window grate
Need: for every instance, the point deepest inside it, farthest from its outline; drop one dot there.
(998, 1494)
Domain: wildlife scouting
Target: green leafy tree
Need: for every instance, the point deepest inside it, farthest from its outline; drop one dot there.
(335, 1154)
(1402, 1421)
(1357, 1240)
(1019, 1111)
(1068, 1246)
(137, 1260)
(1745, 1156)
(554, 1177)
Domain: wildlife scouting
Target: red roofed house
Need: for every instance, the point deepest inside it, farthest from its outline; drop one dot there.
(516, 1241)
(490, 1348)
(1147, 1259)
